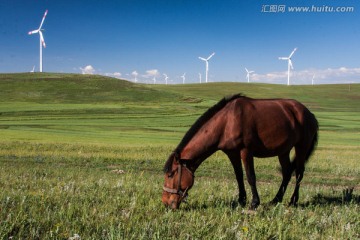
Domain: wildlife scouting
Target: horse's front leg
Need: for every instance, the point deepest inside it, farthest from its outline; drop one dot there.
(248, 160)
(235, 159)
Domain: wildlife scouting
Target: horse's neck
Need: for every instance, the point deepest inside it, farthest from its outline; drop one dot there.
(201, 146)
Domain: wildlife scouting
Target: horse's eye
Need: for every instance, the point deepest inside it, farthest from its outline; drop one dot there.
(171, 174)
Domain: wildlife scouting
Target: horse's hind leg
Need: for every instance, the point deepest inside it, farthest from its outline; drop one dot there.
(248, 161)
(299, 163)
(235, 159)
(286, 169)
(299, 175)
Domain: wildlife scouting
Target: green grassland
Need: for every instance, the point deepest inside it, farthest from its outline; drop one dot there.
(83, 154)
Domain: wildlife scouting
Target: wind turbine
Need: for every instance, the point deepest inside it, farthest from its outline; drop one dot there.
(289, 63)
(200, 77)
(42, 41)
(206, 60)
(248, 74)
(166, 77)
(312, 80)
(154, 79)
(33, 69)
(135, 74)
(183, 78)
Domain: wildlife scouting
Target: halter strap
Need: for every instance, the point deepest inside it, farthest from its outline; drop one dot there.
(178, 190)
(170, 190)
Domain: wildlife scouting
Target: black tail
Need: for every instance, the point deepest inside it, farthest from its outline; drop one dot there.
(314, 140)
(312, 146)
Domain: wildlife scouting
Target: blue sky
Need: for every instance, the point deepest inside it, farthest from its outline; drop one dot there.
(147, 38)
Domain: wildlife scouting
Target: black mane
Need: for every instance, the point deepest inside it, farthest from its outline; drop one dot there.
(197, 125)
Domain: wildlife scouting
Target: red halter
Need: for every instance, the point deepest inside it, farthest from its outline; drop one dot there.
(182, 194)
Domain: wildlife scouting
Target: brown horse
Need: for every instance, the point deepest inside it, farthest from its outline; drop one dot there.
(244, 128)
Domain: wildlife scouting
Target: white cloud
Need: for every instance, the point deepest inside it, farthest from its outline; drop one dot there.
(329, 75)
(152, 73)
(135, 73)
(114, 75)
(117, 74)
(87, 70)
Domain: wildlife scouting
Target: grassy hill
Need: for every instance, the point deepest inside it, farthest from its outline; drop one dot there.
(91, 108)
(329, 97)
(74, 88)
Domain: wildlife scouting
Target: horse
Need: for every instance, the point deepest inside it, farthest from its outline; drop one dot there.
(244, 128)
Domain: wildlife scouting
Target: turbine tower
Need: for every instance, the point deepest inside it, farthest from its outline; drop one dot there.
(183, 78)
(289, 63)
(312, 80)
(200, 77)
(42, 41)
(166, 78)
(206, 60)
(135, 74)
(248, 74)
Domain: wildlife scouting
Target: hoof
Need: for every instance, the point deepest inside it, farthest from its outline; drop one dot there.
(274, 201)
(254, 205)
(293, 201)
(242, 202)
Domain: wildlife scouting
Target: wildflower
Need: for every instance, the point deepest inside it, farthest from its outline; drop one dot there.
(347, 227)
(118, 171)
(75, 237)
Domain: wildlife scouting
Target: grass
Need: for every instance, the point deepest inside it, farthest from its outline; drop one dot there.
(56, 191)
(84, 156)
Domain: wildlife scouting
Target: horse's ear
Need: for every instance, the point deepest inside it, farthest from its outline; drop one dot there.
(173, 158)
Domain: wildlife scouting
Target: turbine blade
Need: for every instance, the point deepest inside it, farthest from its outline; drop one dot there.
(42, 39)
(246, 70)
(33, 32)
(290, 63)
(283, 58)
(210, 56)
(202, 59)
(292, 53)
(43, 19)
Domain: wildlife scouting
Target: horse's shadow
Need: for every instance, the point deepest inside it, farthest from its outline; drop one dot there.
(339, 198)
(216, 203)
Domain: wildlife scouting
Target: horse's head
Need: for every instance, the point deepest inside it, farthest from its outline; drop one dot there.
(178, 180)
